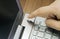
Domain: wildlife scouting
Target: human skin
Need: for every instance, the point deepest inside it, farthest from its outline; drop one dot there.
(50, 12)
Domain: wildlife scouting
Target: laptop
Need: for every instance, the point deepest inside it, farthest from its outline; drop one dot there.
(35, 28)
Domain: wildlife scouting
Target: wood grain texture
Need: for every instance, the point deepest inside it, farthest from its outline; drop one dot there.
(31, 5)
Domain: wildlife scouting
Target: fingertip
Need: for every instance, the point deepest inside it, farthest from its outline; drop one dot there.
(30, 16)
(50, 23)
(53, 24)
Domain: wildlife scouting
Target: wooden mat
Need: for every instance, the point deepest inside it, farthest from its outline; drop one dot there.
(31, 5)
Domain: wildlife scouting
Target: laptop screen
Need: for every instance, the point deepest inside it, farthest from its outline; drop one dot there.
(8, 13)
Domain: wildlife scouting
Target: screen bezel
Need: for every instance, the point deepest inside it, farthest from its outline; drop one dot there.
(17, 21)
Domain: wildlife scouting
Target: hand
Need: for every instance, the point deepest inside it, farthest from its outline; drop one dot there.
(50, 12)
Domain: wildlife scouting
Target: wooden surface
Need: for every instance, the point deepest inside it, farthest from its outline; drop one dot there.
(31, 5)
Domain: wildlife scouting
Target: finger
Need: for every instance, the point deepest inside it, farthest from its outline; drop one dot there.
(53, 24)
(43, 12)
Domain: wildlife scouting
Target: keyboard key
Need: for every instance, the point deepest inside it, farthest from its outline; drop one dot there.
(47, 36)
(37, 22)
(34, 32)
(36, 28)
(43, 23)
(41, 38)
(40, 34)
(32, 37)
(55, 37)
(42, 29)
(55, 34)
(39, 19)
(48, 31)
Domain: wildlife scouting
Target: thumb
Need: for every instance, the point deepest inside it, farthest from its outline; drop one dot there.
(53, 24)
(43, 12)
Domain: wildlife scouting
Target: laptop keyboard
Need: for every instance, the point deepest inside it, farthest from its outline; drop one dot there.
(41, 31)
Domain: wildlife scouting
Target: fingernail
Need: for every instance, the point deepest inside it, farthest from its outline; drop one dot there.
(29, 16)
